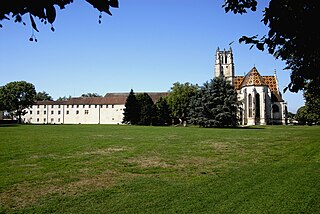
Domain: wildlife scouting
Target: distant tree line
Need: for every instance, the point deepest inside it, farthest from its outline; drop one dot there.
(309, 113)
(214, 104)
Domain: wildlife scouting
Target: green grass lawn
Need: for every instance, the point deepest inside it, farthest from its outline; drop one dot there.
(133, 169)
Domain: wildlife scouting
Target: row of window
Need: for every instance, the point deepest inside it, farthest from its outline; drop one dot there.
(52, 120)
(59, 112)
(77, 106)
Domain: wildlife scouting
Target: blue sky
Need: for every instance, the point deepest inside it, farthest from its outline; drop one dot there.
(146, 45)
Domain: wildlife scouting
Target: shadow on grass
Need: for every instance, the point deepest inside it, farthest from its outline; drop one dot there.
(9, 125)
(249, 127)
(226, 127)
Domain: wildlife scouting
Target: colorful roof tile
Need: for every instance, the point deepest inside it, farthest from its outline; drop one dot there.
(253, 78)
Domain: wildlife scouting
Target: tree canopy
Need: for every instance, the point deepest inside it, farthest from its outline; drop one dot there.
(16, 96)
(64, 98)
(146, 109)
(293, 37)
(162, 112)
(45, 10)
(179, 99)
(41, 96)
(131, 112)
(91, 95)
(310, 112)
(215, 104)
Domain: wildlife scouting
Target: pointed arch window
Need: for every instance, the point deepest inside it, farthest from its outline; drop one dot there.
(250, 105)
(275, 108)
(257, 105)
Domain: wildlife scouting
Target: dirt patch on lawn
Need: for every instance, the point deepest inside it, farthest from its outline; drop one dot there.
(146, 162)
(25, 194)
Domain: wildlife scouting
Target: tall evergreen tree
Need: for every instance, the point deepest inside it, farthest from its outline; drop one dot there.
(215, 105)
(162, 112)
(132, 110)
(146, 109)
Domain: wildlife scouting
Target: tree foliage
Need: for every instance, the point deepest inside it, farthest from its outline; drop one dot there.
(215, 104)
(146, 109)
(16, 96)
(179, 99)
(292, 37)
(64, 98)
(301, 115)
(41, 96)
(91, 95)
(162, 112)
(45, 10)
(310, 113)
(132, 110)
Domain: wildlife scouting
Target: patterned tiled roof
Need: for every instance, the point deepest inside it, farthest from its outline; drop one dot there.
(253, 78)
(237, 80)
(271, 82)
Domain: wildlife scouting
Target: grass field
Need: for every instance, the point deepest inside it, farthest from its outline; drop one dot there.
(132, 169)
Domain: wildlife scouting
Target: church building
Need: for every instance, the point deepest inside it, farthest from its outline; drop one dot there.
(260, 98)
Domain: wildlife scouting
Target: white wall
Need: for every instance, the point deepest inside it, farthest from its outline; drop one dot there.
(74, 114)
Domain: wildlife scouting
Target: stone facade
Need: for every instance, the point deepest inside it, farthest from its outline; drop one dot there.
(260, 98)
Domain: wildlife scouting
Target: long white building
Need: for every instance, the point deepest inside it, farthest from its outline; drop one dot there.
(95, 110)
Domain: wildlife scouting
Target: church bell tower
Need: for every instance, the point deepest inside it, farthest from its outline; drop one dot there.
(224, 65)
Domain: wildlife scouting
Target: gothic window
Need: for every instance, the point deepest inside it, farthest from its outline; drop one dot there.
(257, 105)
(250, 105)
(275, 108)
